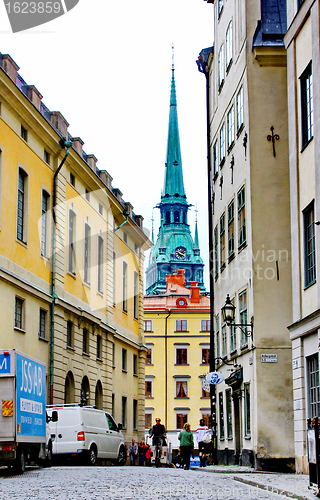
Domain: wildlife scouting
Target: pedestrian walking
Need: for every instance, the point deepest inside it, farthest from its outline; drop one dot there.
(133, 452)
(186, 445)
(201, 430)
(142, 448)
(148, 455)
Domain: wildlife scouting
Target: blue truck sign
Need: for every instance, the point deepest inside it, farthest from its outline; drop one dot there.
(30, 397)
(5, 363)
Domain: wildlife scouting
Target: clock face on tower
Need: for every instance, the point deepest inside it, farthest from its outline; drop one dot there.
(180, 252)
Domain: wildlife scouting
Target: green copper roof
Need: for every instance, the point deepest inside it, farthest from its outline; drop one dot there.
(173, 180)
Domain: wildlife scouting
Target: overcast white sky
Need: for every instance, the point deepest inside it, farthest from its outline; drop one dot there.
(106, 66)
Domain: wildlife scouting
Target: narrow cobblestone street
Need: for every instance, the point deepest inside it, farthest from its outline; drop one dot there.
(102, 483)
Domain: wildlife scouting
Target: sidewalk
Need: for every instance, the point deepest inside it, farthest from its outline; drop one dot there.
(294, 486)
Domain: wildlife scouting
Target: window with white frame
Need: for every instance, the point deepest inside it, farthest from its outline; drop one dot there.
(86, 253)
(222, 144)
(229, 414)
(22, 208)
(313, 385)
(181, 418)
(148, 325)
(224, 340)
(181, 354)
(231, 246)
(100, 264)
(229, 46)
(215, 159)
(181, 325)
(242, 233)
(221, 416)
(125, 286)
(42, 323)
(216, 252)
(44, 245)
(247, 421)
(148, 387)
(205, 325)
(217, 336)
(148, 419)
(149, 354)
(182, 389)
(306, 105)
(240, 109)
(230, 125)
(205, 354)
(222, 242)
(72, 242)
(309, 245)
(221, 66)
(243, 315)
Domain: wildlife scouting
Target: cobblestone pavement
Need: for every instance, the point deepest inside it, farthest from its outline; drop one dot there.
(115, 483)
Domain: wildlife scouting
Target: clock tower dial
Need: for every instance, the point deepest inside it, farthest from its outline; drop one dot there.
(181, 252)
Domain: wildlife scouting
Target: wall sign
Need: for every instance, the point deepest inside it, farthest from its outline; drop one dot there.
(269, 358)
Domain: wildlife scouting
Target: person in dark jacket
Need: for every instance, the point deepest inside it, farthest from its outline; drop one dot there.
(186, 445)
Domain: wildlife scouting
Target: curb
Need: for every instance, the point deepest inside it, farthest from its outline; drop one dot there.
(274, 490)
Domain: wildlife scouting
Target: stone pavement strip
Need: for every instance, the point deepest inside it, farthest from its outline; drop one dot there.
(294, 486)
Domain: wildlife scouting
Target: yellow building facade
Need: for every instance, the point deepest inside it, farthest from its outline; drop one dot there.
(177, 337)
(71, 260)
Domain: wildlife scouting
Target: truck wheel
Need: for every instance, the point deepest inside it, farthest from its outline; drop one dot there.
(48, 460)
(122, 457)
(20, 464)
(93, 455)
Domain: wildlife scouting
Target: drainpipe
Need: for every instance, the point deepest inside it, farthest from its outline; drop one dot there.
(203, 68)
(166, 370)
(64, 144)
(126, 214)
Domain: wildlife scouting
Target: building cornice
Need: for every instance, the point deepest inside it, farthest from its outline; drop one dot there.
(298, 21)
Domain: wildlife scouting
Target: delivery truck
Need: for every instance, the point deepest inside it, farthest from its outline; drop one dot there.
(24, 433)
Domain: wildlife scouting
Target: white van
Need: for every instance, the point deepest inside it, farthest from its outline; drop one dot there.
(85, 432)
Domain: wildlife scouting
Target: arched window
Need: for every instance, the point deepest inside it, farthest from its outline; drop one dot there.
(85, 390)
(168, 217)
(176, 216)
(69, 389)
(98, 396)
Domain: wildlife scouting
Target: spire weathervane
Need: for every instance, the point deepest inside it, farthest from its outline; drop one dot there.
(172, 46)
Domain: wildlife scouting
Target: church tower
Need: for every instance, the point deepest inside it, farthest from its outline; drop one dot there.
(175, 248)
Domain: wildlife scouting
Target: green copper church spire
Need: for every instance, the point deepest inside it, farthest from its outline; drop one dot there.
(173, 180)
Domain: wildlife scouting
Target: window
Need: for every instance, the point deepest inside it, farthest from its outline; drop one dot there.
(240, 109)
(222, 145)
(222, 243)
(168, 217)
(220, 7)
(114, 277)
(125, 237)
(221, 416)
(42, 324)
(112, 404)
(221, 67)
(215, 159)
(241, 218)
(233, 338)
(113, 355)
(205, 325)
(181, 419)
(87, 253)
(135, 415)
(85, 341)
(148, 325)
(125, 287)
(181, 355)
(231, 229)
(124, 412)
(306, 105)
(176, 216)
(243, 317)
(135, 364)
(309, 246)
(124, 360)
(22, 205)
(44, 223)
(247, 423)
(207, 419)
(149, 388)
(100, 264)
(72, 180)
(87, 194)
(148, 420)
(205, 355)
(19, 313)
(313, 386)
(229, 414)
(181, 388)
(217, 332)
(72, 240)
(46, 156)
(99, 347)
(216, 252)
(230, 125)
(229, 46)
(24, 133)
(149, 360)
(135, 295)
(100, 209)
(224, 340)
(181, 325)
(204, 393)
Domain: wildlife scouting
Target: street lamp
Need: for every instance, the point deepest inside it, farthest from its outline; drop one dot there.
(228, 314)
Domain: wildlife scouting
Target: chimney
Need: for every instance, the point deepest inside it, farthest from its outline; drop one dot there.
(10, 67)
(177, 279)
(106, 179)
(59, 122)
(92, 162)
(34, 96)
(77, 144)
(129, 209)
(195, 292)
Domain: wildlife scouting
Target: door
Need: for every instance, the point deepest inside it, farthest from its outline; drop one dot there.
(114, 437)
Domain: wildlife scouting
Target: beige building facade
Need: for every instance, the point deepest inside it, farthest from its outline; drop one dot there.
(249, 174)
(302, 44)
(71, 260)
